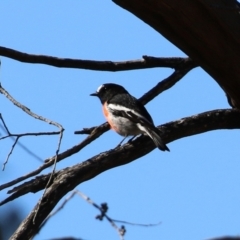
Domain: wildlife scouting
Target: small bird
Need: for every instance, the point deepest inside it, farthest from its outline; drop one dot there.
(126, 115)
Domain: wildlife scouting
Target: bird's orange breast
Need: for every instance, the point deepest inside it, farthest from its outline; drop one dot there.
(108, 117)
(105, 110)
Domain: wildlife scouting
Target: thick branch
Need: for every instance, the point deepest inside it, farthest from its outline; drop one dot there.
(145, 62)
(208, 31)
(67, 179)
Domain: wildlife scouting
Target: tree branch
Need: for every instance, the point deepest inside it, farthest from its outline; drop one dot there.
(208, 31)
(186, 66)
(145, 62)
(68, 178)
(95, 132)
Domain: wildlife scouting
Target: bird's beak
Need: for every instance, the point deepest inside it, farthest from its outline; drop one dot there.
(94, 94)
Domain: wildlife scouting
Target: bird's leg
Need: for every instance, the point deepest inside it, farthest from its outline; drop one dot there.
(121, 141)
(131, 139)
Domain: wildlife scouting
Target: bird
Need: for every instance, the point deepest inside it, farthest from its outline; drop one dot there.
(126, 115)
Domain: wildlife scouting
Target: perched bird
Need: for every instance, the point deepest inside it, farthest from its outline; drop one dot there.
(126, 115)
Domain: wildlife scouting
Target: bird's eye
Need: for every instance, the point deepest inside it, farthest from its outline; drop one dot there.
(103, 89)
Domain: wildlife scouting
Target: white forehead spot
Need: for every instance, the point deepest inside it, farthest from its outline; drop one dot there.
(99, 88)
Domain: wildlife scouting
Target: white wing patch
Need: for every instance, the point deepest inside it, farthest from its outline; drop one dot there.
(125, 109)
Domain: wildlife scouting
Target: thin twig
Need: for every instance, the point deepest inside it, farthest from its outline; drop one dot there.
(6, 161)
(30, 134)
(58, 209)
(50, 161)
(24, 147)
(138, 224)
(85, 130)
(4, 124)
(121, 231)
(18, 136)
(52, 174)
(103, 212)
(29, 112)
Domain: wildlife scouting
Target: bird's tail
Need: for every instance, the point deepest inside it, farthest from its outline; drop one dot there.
(154, 135)
(147, 127)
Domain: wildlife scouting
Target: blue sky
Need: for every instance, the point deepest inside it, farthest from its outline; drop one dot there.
(194, 190)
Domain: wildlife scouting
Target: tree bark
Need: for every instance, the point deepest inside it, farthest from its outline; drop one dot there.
(67, 179)
(208, 31)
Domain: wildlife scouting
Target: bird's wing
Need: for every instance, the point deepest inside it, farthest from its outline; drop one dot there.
(130, 104)
(131, 114)
(143, 124)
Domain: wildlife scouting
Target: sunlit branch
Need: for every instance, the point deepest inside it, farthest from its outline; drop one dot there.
(144, 63)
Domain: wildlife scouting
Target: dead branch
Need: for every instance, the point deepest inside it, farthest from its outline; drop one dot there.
(68, 178)
(213, 120)
(186, 66)
(4, 124)
(34, 115)
(22, 145)
(27, 110)
(18, 136)
(97, 132)
(103, 208)
(103, 214)
(144, 63)
(10, 152)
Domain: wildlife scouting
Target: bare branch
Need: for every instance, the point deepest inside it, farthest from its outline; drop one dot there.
(145, 62)
(138, 224)
(213, 120)
(18, 136)
(97, 132)
(67, 199)
(103, 210)
(51, 175)
(27, 110)
(85, 130)
(29, 134)
(11, 150)
(186, 66)
(4, 124)
(68, 178)
(24, 147)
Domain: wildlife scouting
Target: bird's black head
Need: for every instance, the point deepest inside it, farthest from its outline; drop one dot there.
(106, 91)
